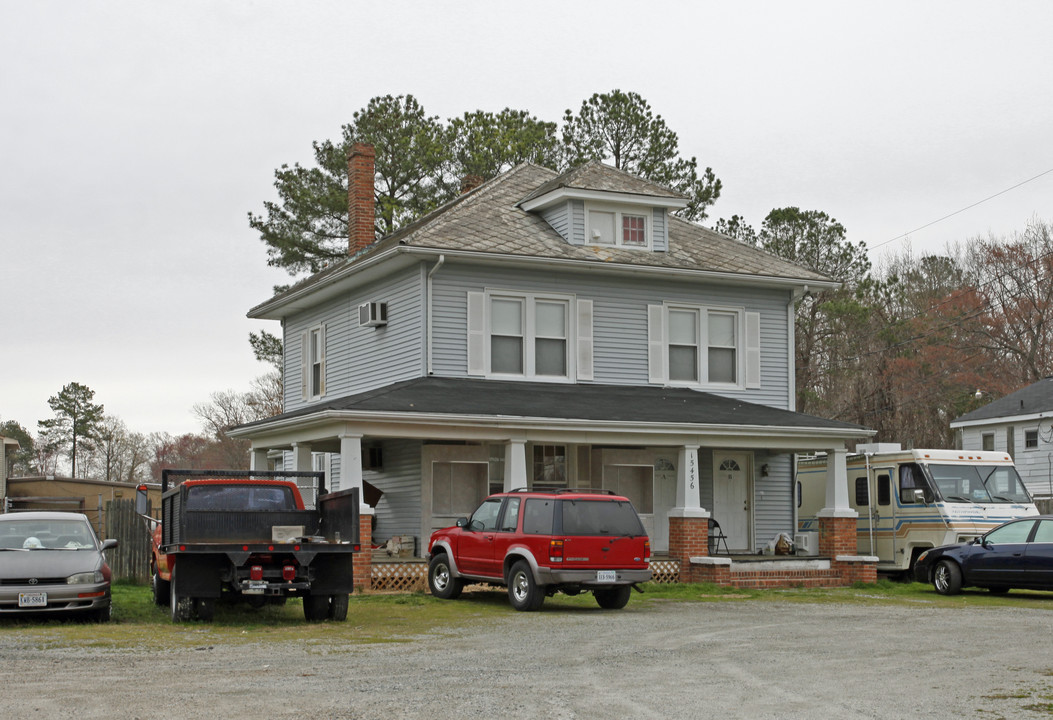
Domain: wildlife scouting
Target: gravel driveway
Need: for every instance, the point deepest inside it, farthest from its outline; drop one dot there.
(660, 660)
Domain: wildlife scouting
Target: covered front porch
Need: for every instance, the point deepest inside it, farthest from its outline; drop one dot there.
(683, 457)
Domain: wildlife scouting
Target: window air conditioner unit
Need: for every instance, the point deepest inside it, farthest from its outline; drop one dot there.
(373, 314)
(807, 543)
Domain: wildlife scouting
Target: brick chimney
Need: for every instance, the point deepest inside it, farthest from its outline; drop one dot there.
(360, 214)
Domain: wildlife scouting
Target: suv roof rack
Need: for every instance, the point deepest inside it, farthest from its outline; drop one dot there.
(561, 491)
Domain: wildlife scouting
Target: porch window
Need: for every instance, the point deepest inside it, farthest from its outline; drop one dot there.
(457, 488)
(550, 466)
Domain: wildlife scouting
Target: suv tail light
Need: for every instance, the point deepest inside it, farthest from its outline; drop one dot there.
(256, 572)
(647, 548)
(555, 551)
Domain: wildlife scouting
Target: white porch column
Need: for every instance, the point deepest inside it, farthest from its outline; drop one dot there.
(351, 468)
(688, 497)
(515, 465)
(302, 457)
(837, 504)
(258, 459)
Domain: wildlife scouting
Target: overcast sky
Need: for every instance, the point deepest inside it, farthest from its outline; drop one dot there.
(136, 136)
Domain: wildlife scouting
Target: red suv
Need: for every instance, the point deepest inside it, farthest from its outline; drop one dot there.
(538, 543)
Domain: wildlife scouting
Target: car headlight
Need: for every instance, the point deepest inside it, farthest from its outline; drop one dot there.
(86, 578)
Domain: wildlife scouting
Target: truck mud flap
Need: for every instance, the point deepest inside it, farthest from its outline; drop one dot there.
(199, 576)
(333, 574)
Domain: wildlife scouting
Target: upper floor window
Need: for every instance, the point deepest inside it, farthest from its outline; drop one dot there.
(987, 441)
(1030, 439)
(312, 363)
(703, 346)
(619, 227)
(528, 336)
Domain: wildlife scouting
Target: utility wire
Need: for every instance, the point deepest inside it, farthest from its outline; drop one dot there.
(956, 212)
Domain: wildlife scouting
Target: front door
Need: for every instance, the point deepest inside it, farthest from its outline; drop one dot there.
(731, 499)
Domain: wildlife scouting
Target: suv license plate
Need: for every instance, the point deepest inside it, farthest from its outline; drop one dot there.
(606, 576)
(31, 600)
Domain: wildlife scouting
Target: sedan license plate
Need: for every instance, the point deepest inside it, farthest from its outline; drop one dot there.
(32, 600)
(606, 575)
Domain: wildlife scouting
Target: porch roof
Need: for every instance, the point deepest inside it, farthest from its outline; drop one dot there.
(626, 404)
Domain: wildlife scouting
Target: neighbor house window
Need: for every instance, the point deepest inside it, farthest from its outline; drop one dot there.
(987, 441)
(1031, 438)
(529, 336)
(703, 346)
(612, 226)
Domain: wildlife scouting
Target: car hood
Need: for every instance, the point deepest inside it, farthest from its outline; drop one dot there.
(46, 563)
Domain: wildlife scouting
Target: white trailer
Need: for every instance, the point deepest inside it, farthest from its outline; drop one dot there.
(911, 500)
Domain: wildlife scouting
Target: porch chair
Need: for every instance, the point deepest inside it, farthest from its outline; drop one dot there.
(716, 538)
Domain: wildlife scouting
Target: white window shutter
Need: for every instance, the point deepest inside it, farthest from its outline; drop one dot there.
(321, 360)
(476, 333)
(305, 361)
(753, 355)
(584, 352)
(656, 351)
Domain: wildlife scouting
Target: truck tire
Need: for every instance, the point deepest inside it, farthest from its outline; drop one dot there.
(315, 607)
(613, 598)
(338, 607)
(441, 581)
(523, 591)
(160, 589)
(182, 607)
(205, 609)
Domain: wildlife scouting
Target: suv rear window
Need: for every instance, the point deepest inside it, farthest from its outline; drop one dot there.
(537, 517)
(600, 517)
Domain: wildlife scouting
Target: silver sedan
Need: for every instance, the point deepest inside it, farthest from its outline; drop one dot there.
(52, 562)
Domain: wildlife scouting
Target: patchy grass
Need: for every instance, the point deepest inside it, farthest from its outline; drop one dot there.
(394, 618)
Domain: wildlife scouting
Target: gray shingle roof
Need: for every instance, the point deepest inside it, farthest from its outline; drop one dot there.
(559, 401)
(489, 220)
(594, 175)
(1031, 400)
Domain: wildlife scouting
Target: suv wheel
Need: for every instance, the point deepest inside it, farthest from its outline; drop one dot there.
(523, 592)
(441, 581)
(614, 598)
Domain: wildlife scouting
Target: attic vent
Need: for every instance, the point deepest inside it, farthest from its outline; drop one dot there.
(373, 314)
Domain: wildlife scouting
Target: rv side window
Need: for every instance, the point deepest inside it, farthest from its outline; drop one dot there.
(884, 490)
(910, 479)
(862, 493)
(800, 494)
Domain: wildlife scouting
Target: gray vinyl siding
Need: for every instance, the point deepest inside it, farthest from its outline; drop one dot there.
(659, 230)
(577, 222)
(772, 510)
(619, 321)
(558, 216)
(362, 358)
(399, 509)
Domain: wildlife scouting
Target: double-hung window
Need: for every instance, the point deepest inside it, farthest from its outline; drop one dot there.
(529, 336)
(697, 345)
(312, 362)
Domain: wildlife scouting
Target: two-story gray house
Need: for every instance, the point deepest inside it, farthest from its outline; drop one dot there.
(547, 330)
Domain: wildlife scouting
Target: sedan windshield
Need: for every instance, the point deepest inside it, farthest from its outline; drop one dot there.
(970, 483)
(38, 534)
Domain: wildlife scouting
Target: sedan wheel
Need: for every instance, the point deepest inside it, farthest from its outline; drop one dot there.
(947, 578)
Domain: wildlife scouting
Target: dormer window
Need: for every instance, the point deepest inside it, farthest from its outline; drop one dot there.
(621, 227)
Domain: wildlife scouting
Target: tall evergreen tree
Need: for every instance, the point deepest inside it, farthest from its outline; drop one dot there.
(76, 424)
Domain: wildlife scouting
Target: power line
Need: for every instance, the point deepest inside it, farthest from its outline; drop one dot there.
(956, 212)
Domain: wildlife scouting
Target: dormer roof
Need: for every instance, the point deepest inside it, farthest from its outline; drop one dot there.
(596, 181)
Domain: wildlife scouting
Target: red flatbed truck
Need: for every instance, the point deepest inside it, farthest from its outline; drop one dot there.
(245, 535)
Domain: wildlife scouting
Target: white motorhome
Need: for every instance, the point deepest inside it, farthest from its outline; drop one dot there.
(910, 500)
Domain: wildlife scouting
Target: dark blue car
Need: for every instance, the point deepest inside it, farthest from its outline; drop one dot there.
(1018, 554)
